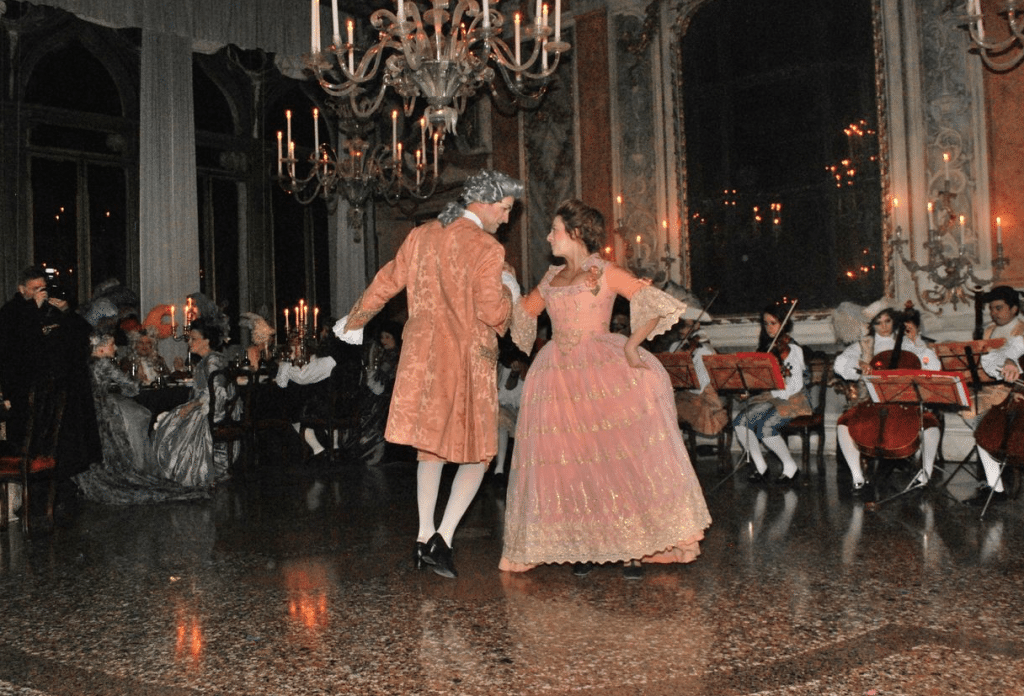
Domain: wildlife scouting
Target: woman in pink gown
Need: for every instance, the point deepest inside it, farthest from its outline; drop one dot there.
(599, 472)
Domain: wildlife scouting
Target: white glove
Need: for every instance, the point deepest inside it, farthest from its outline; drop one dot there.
(283, 371)
(354, 337)
(510, 282)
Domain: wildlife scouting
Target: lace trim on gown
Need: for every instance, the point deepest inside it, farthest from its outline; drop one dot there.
(524, 327)
(650, 303)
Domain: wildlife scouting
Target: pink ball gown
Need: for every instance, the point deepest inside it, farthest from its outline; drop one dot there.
(599, 472)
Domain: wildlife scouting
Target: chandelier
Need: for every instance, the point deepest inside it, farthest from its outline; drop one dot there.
(1011, 47)
(436, 56)
(362, 166)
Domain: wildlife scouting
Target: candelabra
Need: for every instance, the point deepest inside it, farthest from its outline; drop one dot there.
(188, 314)
(446, 66)
(1011, 47)
(948, 272)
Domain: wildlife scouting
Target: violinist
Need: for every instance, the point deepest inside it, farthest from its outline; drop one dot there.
(702, 408)
(767, 413)
(1004, 364)
(885, 333)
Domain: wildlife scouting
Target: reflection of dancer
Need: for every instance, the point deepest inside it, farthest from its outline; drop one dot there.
(599, 472)
(444, 401)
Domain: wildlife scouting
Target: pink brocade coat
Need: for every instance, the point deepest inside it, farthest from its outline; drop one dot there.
(445, 399)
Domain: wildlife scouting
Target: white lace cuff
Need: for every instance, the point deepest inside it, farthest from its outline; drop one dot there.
(354, 337)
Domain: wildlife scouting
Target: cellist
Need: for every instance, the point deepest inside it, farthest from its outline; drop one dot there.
(1001, 363)
(885, 329)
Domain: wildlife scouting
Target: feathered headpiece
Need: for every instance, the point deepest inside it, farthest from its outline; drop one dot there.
(213, 314)
(259, 329)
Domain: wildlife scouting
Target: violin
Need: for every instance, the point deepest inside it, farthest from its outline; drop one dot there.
(781, 351)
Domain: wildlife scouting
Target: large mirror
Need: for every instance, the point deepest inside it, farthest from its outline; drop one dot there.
(783, 194)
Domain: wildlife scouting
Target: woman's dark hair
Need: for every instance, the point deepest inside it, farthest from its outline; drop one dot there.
(897, 321)
(393, 328)
(779, 312)
(582, 222)
(210, 332)
(913, 316)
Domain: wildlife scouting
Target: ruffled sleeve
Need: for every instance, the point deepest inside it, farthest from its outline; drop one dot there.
(524, 320)
(650, 303)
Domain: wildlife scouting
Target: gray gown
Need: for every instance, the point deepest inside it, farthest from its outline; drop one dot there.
(182, 445)
(126, 475)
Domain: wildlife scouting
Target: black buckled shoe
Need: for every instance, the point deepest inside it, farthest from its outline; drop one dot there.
(421, 555)
(759, 477)
(441, 553)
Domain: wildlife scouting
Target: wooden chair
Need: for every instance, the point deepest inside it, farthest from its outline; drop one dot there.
(820, 366)
(679, 365)
(232, 426)
(37, 455)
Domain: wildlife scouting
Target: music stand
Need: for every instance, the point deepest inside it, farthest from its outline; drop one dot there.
(680, 368)
(965, 357)
(921, 387)
(735, 373)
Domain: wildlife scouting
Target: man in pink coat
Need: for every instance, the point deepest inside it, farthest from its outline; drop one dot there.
(445, 404)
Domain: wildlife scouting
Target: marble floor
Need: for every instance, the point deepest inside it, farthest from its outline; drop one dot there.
(297, 579)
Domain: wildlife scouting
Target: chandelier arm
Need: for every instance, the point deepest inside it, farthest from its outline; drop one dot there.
(372, 105)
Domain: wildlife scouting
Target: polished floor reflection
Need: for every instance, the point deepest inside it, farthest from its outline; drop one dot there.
(298, 580)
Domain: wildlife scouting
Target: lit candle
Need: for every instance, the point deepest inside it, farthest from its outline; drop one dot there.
(931, 208)
(418, 170)
(287, 325)
(436, 138)
(515, 19)
(280, 152)
(945, 168)
(398, 158)
(487, 14)
(336, 36)
(174, 324)
(544, 54)
(316, 314)
(544, 14)
(288, 118)
(423, 135)
(394, 131)
(291, 158)
(316, 129)
(962, 220)
(351, 48)
(618, 210)
(999, 231)
(558, 20)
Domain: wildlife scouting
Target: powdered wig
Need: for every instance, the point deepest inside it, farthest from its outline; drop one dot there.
(99, 339)
(486, 186)
(582, 222)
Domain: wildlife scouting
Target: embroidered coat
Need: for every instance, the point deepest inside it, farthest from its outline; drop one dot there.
(445, 396)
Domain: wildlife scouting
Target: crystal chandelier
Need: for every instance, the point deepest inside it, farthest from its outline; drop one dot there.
(435, 55)
(1010, 48)
(362, 167)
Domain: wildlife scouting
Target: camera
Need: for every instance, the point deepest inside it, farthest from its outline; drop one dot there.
(54, 289)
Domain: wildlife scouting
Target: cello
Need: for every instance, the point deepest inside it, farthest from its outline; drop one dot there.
(888, 431)
(1001, 430)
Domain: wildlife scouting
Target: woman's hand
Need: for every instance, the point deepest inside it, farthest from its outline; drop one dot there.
(187, 409)
(633, 357)
(865, 368)
(1010, 371)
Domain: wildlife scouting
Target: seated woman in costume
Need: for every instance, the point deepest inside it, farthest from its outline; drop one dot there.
(182, 443)
(885, 333)
(144, 362)
(701, 407)
(763, 417)
(126, 476)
